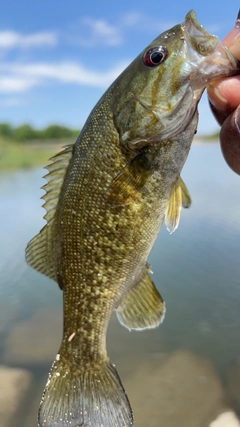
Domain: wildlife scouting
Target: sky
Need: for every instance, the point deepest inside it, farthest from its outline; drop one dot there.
(58, 57)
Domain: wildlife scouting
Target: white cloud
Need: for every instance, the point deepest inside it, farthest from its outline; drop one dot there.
(14, 84)
(145, 23)
(104, 32)
(18, 77)
(214, 28)
(12, 39)
(93, 32)
(132, 18)
(96, 32)
(11, 101)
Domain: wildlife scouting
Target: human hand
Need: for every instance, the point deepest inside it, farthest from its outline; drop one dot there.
(224, 99)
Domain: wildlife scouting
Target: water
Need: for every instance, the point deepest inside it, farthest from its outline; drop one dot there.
(197, 270)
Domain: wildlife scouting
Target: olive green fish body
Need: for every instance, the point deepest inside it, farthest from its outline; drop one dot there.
(106, 199)
(103, 247)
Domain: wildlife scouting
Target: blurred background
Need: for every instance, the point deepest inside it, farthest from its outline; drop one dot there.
(56, 60)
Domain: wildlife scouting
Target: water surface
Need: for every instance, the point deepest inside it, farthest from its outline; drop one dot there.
(196, 269)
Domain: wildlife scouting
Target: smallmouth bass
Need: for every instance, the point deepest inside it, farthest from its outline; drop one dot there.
(106, 199)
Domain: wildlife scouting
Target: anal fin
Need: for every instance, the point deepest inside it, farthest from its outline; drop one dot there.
(143, 306)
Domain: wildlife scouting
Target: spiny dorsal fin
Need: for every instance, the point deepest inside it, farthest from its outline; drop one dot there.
(143, 306)
(39, 251)
(179, 197)
(55, 177)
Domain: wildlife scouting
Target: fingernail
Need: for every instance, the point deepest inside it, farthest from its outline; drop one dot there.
(220, 116)
(236, 116)
(230, 140)
(237, 23)
(221, 108)
(217, 100)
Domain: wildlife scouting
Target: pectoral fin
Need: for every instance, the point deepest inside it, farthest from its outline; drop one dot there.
(186, 198)
(143, 307)
(179, 197)
(129, 182)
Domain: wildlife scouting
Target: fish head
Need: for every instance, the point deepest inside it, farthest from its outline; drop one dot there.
(164, 84)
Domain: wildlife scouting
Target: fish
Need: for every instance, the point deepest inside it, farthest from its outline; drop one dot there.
(106, 198)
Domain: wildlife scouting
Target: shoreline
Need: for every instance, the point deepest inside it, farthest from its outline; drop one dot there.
(27, 155)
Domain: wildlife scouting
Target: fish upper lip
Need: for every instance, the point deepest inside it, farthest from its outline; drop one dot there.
(197, 35)
(203, 42)
(191, 22)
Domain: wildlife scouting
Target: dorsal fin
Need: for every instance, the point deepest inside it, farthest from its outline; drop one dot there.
(55, 177)
(39, 251)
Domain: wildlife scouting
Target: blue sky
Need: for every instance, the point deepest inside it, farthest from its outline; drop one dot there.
(58, 57)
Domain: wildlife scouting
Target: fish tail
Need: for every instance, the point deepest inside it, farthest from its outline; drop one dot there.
(84, 398)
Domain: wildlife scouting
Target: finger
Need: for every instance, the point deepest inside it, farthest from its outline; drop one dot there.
(224, 95)
(232, 40)
(230, 140)
(220, 115)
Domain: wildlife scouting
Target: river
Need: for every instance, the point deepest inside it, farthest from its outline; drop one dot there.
(196, 269)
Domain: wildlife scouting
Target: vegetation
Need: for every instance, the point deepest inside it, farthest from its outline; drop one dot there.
(15, 155)
(214, 136)
(26, 133)
(25, 147)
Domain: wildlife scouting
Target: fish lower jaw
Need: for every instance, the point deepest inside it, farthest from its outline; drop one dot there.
(197, 93)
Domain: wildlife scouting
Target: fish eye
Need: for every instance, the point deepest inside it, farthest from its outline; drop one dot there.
(155, 56)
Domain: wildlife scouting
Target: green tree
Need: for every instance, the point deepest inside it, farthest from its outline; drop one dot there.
(24, 133)
(6, 130)
(57, 132)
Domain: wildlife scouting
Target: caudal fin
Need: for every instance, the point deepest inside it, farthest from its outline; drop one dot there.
(91, 398)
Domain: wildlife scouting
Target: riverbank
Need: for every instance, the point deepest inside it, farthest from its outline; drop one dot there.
(26, 155)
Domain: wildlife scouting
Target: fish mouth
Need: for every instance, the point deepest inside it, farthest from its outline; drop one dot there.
(207, 53)
(203, 42)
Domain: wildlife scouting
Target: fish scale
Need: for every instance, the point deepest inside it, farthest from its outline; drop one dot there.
(106, 199)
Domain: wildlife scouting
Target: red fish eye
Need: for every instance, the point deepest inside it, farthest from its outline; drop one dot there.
(155, 56)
